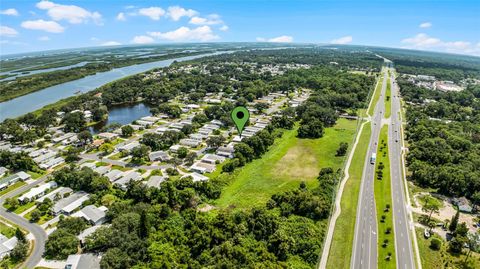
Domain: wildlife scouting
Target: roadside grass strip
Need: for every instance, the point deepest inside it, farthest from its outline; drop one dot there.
(383, 202)
(342, 242)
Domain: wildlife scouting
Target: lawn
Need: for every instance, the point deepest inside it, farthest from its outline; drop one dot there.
(388, 100)
(24, 207)
(12, 187)
(287, 163)
(383, 199)
(376, 95)
(6, 230)
(342, 242)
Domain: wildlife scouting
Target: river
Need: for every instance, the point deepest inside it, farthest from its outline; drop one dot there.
(36, 100)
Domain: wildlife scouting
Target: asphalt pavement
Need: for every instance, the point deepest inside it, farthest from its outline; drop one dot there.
(402, 225)
(364, 254)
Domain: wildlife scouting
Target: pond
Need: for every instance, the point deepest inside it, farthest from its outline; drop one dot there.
(122, 114)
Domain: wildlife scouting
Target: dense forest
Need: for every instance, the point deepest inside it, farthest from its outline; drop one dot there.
(443, 130)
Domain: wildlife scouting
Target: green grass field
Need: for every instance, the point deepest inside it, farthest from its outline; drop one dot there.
(376, 95)
(342, 242)
(383, 197)
(288, 162)
(388, 100)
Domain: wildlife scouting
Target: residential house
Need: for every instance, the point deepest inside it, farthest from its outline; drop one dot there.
(81, 261)
(36, 192)
(463, 204)
(3, 171)
(202, 167)
(212, 158)
(125, 179)
(52, 163)
(7, 245)
(155, 181)
(196, 177)
(226, 151)
(56, 194)
(114, 175)
(94, 215)
(67, 205)
(107, 135)
(189, 142)
(159, 156)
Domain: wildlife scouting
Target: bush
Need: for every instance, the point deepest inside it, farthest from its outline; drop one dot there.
(435, 244)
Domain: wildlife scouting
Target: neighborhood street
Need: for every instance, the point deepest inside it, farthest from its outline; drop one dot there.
(37, 231)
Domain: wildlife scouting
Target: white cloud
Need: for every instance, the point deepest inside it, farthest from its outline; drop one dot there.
(425, 25)
(224, 28)
(281, 39)
(7, 31)
(177, 12)
(9, 12)
(278, 39)
(71, 13)
(111, 43)
(423, 41)
(47, 26)
(209, 20)
(121, 17)
(44, 38)
(153, 13)
(342, 40)
(142, 39)
(202, 33)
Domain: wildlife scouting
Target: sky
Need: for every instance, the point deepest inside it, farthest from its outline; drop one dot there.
(443, 25)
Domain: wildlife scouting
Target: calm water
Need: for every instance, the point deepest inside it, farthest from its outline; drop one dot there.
(123, 114)
(19, 73)
(36, 100)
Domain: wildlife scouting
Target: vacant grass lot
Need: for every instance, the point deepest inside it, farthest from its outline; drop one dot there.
(383, 200)
(388, 100)
(376, 95)
(342, 242)
(288, 162)
(6, 230)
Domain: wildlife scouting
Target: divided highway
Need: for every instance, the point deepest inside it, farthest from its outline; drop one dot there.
(364, 254)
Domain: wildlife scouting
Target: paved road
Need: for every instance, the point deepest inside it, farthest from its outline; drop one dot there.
(34, 229)
(402, 225)
(364, 254)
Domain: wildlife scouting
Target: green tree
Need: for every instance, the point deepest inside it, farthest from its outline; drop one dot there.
(127, 131)
(182, 152)
(74, 122)
(85, 137)
(60, 244)
(435, 244)
(342, 149)
(454, 222)
(430, 206)
(106, 148)
(139, 154)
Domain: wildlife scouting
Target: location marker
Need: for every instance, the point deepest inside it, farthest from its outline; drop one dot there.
(240, 116)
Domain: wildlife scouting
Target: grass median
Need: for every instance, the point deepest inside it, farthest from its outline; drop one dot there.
(376, 95)
(342, 242)
(383, 202)
(388, 100)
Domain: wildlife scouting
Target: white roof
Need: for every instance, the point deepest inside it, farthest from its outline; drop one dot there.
(196, 177)
(38, 190)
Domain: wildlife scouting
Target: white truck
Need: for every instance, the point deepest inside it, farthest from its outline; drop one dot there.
(373, 158)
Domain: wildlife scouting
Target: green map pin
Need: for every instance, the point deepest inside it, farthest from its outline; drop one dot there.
(240, 116)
